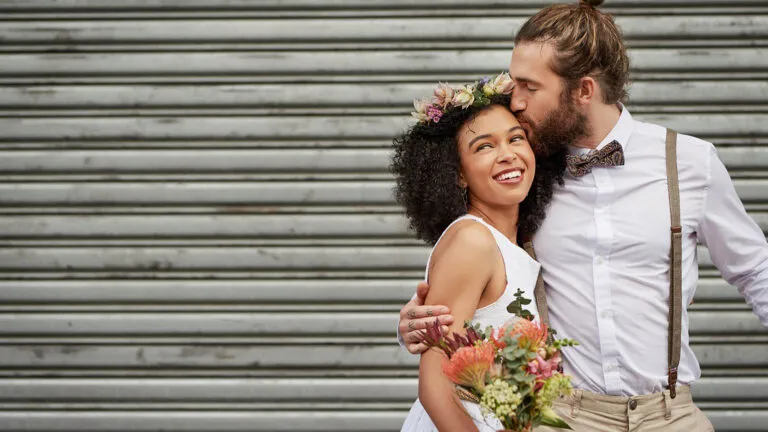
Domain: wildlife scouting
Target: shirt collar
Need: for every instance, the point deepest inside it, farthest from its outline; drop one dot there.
(620, 133)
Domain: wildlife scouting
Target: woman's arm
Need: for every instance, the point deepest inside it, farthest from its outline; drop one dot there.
(461, 267)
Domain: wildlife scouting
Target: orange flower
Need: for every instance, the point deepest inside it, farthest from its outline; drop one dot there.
(530, 335)
(469, 366)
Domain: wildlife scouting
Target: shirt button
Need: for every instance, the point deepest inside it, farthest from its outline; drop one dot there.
(607, 314)
(632, 404)
(599, 260)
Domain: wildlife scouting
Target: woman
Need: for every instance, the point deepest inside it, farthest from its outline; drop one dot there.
(471, 186)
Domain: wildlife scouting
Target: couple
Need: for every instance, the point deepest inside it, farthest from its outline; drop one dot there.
(626, 203)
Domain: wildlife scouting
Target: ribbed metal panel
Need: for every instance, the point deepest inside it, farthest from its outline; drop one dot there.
(196, 218)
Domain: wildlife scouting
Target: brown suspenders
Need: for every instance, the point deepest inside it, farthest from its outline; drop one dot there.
(675, 261)
(675, 270)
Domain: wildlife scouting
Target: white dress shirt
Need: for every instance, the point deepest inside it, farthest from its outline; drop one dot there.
(604, 251)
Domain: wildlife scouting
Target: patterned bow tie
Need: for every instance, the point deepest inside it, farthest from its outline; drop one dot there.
(608, 156)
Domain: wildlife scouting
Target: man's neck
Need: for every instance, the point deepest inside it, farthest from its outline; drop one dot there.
(601, 120)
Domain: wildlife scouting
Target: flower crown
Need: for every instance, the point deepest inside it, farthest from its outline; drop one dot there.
(447, 97)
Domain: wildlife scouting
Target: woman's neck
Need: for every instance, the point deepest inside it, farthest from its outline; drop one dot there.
(503, 219)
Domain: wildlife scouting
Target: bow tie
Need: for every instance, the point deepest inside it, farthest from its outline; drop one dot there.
(608, 156)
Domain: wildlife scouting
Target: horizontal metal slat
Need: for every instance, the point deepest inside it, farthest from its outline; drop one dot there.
(414, 29)
(327, 4)
(243, 292)
(252, 161)
(305, 356)
(332, 62)
(280, 127)
(280, 323)
(290, 389)
(204, 226)
(232, 258)
(218, 226)
(201, 421)
(325, 258)
(348, 94)
(724, 420)
(238, 193)
(207, 161)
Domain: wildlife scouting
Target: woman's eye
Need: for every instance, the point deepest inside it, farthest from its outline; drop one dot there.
(482, 146)
(516, 138)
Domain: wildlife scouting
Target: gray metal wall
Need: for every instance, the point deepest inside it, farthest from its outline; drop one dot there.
(196, 222)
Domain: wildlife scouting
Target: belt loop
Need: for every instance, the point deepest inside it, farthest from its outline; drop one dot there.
(667, 405)
(576, 402)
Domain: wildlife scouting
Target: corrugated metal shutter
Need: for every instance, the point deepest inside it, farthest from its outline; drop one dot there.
(196, 221)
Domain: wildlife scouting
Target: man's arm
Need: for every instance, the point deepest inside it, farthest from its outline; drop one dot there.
(736, 243)
(415, 316)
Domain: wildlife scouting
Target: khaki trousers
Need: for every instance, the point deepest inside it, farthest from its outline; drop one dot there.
(591, 412)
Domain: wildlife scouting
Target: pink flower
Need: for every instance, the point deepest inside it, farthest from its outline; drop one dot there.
(443, 95)
(434, 113)
(542, 368)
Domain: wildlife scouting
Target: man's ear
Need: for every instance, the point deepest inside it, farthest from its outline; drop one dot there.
(587, 91)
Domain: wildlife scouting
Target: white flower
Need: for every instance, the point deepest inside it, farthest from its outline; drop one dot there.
(464, 98)
(421, 106)
(503, 84)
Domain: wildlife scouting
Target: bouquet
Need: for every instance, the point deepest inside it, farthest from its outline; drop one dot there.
(513, 372)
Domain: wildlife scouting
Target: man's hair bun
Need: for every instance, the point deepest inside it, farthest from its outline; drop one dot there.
(593, 3)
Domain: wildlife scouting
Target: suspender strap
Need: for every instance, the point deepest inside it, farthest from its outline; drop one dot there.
(675, 257)
(538, 292)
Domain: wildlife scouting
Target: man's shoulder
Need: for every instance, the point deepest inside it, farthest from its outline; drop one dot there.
(689, 147)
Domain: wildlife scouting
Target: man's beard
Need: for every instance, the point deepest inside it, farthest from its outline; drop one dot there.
(561, 127)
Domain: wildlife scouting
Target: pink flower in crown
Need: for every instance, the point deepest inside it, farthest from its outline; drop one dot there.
(503, 84)
(421, 107)
(443, 95)
(464, 98)
(434, 113)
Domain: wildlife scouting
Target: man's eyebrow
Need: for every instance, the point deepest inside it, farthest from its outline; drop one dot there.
(525, 80)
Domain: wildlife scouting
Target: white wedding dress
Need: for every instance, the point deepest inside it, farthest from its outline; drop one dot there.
(522, 272)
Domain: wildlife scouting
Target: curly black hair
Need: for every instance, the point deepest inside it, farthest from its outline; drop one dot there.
(426, 166)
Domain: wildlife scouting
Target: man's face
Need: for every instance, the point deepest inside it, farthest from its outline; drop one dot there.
(541, 101)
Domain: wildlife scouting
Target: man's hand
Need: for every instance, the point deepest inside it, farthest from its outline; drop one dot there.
(414, 317)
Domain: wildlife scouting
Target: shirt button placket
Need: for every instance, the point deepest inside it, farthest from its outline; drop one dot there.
(602, 280)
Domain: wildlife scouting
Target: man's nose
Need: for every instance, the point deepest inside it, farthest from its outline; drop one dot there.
(517, 104)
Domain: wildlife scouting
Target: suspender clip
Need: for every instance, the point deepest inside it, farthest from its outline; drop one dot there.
(672, 382)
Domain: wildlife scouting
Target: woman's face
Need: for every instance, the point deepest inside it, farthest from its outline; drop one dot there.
(497, 163)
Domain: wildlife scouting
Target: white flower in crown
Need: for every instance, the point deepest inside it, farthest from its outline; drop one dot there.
(421, 106)
(488, 89)
(464, 97)
(443, 95)
(503, 84)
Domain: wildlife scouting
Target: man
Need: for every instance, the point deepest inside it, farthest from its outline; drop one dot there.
(605, 243)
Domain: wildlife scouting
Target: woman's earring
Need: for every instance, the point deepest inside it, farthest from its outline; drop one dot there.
(465, 197)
